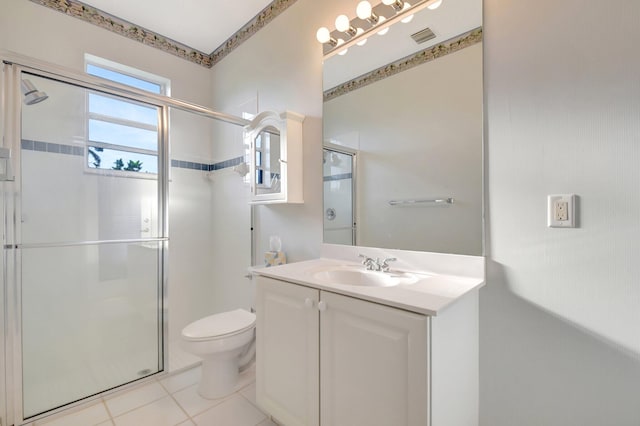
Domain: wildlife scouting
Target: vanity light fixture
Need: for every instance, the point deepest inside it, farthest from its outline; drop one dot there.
(370, 19)
(398, 5)
(324, 36)
(365, 12)
(386, 29)
(344, 25)
(409, 18)
(358, 34)
(343, 51)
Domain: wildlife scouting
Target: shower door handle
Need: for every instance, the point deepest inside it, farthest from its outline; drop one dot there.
(6, 170)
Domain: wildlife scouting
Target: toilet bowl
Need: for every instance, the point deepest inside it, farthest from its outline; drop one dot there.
(226, 344)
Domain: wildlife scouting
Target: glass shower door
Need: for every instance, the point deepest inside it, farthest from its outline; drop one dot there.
(89, 243)
(339, 201)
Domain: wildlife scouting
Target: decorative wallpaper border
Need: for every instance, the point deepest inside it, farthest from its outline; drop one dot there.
(114, 24)
(427, 55)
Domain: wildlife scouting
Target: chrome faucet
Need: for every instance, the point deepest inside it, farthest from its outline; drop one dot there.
(369, 263)
(385, 264)
(375, 265)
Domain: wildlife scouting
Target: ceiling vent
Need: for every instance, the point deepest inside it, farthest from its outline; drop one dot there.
(423, 35)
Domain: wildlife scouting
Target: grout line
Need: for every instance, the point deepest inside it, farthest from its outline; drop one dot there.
(190, 418)
(108, 411)
(251, 402)
(140, 406)
(181, 408)
(163, 386)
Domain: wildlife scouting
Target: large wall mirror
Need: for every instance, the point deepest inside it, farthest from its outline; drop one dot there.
(402, 163)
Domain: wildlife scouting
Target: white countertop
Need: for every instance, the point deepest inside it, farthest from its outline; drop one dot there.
(430, 295)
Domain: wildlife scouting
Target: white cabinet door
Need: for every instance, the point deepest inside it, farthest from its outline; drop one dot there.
(287, 351)
(374, 363)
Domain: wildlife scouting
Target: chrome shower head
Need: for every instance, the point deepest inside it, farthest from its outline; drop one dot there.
(31, 94)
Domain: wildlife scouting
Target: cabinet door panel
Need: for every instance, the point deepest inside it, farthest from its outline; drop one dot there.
(374, 363)
(287, 352)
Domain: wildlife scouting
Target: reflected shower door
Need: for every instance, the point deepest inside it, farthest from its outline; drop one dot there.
(339, 215)
(90, 244)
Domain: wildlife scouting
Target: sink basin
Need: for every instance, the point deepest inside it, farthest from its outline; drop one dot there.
(362, 277)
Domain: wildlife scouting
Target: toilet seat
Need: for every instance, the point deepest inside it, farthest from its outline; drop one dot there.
(219, 326)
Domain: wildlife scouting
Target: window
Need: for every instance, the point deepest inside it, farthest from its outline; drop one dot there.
(122, 134)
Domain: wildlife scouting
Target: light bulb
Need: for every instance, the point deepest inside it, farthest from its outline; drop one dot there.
(363, 41)
(363, 10)
(396, 4)
(435, 5)
(343, 51)
(408, 18)
(386, 30)
(342, 23)
(323, 35)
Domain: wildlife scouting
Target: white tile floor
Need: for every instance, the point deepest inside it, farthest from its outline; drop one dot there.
(171, 401)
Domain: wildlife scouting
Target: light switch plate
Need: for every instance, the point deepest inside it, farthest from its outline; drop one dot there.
(561, 211)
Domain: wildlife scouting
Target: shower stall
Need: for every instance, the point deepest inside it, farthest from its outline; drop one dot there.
(84, 209)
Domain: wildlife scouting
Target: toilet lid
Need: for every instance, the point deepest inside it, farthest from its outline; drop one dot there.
(219, 325)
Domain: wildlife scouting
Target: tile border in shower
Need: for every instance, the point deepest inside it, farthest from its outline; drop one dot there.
(227, 163)
(56, 148)
(207, 167)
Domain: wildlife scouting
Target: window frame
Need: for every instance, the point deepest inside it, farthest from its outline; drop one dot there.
(164, 86)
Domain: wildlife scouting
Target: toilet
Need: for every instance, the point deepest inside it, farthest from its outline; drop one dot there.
(226, 344)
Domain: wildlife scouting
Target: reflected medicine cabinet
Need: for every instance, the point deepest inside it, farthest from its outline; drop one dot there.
(275, 142)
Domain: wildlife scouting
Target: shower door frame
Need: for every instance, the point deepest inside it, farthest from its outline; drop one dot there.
(11, 411)
(12, 249)
(354, 181)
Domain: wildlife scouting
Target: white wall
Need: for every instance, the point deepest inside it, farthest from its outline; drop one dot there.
(282, 65)
(560, 316)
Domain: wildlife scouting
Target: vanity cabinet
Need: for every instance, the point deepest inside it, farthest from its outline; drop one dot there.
(275, 142)
(334, 360)
(287, 352)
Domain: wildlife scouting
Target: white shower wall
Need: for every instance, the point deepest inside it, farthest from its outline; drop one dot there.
(231, 221)
(209, 220)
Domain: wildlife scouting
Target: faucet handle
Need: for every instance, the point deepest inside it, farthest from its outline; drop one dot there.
(367, 262)
(385, 263)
